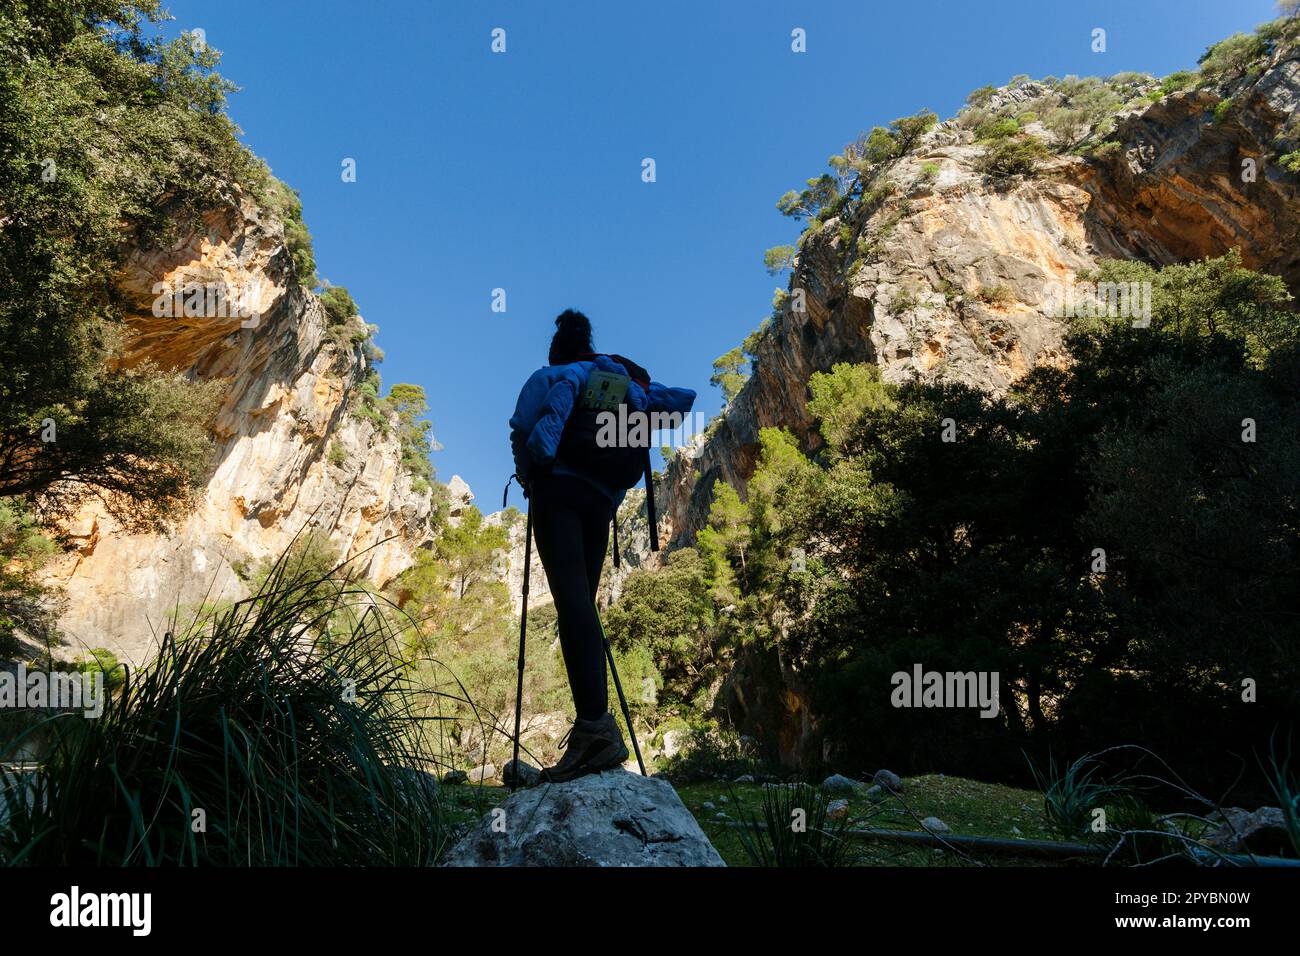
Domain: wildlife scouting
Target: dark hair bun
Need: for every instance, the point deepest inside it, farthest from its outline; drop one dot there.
(572, 337)
(574, 323)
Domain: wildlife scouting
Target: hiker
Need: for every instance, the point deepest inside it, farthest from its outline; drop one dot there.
(574, 488)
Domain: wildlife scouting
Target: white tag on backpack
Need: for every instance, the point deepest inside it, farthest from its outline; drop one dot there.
(605, 391)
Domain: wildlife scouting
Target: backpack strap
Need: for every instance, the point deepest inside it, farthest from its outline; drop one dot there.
(649, 509)
(650, 503)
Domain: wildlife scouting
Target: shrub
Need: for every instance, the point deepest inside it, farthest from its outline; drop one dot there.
(286, 205)
(1177, 81)
(1011, 157)
(996, 128)
(1108, 150)
(340, 307)
(998, 294)
(1071, 794)
(24, 598)
(102, 660)
(1233, 56)
(904, 302)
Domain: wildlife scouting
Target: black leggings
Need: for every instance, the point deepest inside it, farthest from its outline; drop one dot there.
(571, 527)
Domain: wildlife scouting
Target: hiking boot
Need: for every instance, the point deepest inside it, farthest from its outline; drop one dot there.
(593, 746)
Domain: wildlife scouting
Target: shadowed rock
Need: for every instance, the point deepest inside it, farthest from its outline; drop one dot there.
(610, 819)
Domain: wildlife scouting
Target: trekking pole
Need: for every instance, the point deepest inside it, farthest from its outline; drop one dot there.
(516, 777)
(618, 686)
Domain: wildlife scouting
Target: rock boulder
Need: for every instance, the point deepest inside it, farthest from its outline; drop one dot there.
(610, 819)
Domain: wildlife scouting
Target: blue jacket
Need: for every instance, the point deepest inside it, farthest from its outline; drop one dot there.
(549, 395)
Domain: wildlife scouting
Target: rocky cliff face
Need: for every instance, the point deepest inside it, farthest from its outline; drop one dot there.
(960, 281)
(961, 284)
(1187, 185)
(289, 453)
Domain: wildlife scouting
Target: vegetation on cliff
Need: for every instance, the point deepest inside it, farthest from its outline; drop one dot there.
(1017, 128)
(1114, 538)
(113, 141)
(76, 179)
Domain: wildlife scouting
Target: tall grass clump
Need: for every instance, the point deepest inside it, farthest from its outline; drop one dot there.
(1129, 830)
(279, 731)
(1072, 793)
(1285, 784)
(795, 829)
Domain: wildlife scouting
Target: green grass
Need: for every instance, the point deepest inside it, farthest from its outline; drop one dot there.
(969, 807)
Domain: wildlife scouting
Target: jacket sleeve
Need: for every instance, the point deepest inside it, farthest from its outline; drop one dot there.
(544, 439)
(663, 398)
(521, 423)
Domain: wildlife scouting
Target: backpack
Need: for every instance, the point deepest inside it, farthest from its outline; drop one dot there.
(618, 466)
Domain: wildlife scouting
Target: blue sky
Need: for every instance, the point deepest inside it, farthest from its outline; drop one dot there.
(522, 170)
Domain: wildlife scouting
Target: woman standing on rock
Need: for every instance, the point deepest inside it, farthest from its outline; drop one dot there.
(575, 480)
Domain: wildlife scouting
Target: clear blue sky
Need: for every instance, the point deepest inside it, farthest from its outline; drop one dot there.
(523, 171)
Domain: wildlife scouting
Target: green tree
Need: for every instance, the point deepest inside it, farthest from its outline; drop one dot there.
(730, 373)
(725, 541)
(81, 184)
(908, 130)
(26, 604)
(778, 259)
(842, 395)
(1211, 297)
(454, 591)
(414, 430)
(670, 611)
(811, 203)
(1105, 537)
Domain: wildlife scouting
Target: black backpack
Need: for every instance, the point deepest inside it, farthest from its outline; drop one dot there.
(618, 465)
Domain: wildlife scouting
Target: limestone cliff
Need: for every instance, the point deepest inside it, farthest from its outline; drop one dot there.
(959, 282)
(290, 453)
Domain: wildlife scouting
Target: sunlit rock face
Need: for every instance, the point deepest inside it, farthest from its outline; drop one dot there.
(289, 454)
(961, 286)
